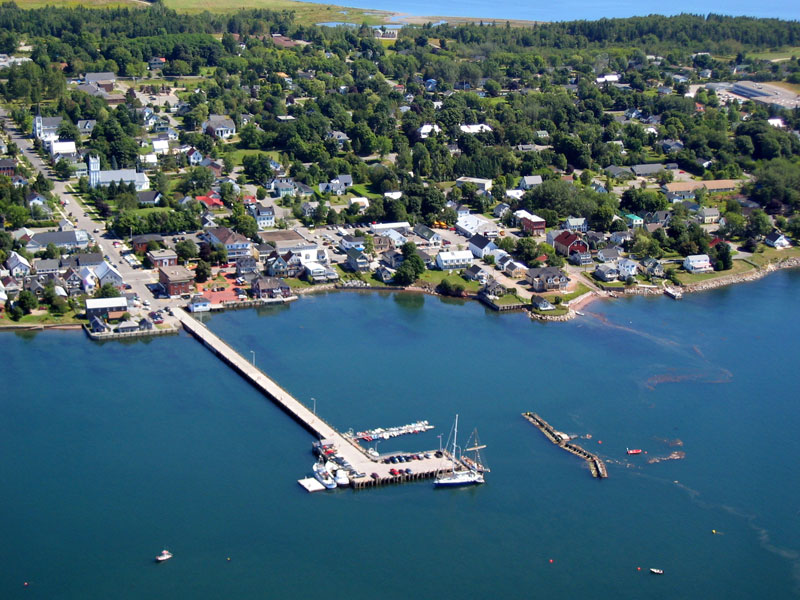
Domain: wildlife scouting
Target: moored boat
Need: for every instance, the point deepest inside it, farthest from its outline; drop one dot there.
(341, 478)
(165, 555)
(657, 571)
(633, 450)
(471, 472)
(324, 476)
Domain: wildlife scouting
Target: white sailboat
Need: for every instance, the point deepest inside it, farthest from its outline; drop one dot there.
(470, 474)
(324, 476)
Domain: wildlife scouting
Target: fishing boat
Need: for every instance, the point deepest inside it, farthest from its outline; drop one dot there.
(633, 450)
(165, 555)
(657, 571)
(468, 472)
(324, 476)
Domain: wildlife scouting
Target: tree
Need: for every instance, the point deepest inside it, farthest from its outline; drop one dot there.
(186, 250)
(724, 257)
(62, 169)
(107, 290)
(202, 272)
(760, 224)
(26, 300)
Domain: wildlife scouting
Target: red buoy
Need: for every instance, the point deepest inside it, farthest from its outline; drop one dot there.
(551, 562)
(638, 568)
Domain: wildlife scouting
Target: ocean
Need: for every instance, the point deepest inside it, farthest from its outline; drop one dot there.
(114, 451)
(578, 9)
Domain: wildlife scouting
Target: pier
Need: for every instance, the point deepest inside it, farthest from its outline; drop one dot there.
(596, 466)
(369, 471)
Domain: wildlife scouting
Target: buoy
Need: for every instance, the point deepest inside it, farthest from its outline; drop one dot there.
(26, 584)
(229, 558)
(599, 441)
(551, 561)
(714, 531)
(638, 568)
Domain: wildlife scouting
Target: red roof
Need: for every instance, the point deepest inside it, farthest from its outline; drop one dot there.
(210, 201)
(566, 238)
(714, 242)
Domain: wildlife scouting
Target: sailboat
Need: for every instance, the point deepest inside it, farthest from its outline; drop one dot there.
(471, 474)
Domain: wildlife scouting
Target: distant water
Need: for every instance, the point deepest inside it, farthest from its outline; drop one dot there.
(579, 9)
(111, 452)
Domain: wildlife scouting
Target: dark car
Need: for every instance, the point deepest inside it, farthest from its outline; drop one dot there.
(408, 471)
(375, 476)
(393, 460)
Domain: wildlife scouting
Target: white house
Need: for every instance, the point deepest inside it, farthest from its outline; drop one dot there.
(469, 225)
(264, 215)
(18, 265)
(481, 128)
(480, 246)
(427, 130)
(160, 146)
(777, 240)
(698, 263)
(219, 126)
(457, 259)
(530, 181)
(481, 184)
(63, 148)
(363, 203)
(105, 273)
(627, 268)
(46, 128)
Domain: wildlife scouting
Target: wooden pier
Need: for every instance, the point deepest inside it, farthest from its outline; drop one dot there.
(374, 471)
(596, 466)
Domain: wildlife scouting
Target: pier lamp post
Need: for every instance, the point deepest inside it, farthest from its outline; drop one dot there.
(253, 352)
(440, 442)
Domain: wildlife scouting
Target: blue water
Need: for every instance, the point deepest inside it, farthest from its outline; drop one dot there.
(579, 9)
(112, 451)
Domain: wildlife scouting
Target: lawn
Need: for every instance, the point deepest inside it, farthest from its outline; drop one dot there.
(776, 54)
(45, 318)
(362, 189)
(579, 290)
(296, 283)
(772, 255)
(508, 300)
(237, 155)
(611, 284)
(143, 212)
(434, 278)
(739, 266)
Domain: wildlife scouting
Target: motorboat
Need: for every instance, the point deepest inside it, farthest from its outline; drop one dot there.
(324, 476)
(341, 478)
(657, 571)
(165, 555)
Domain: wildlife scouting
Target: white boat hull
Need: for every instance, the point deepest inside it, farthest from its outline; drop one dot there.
(322, 475)
(459, 478)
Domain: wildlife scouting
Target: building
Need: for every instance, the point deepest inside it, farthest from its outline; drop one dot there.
(162, 258)
(140, 242)
(698, 263)
(568, 242)
(65, 240)
(470, 225)
(18, 265)
(575, 224)
(357, 260)
(105, 308)
(457, 259)
(235, 243)
(219, 126)
(98, 178)
(480, 246)
(269, 288)
(543, 279)
(482, 184)
(533, 224)
(777, 240)
(46, 128)
(530, 181)
(176, 280)
(264, 215)
(199, 304)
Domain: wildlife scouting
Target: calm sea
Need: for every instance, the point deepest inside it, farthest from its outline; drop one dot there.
(579, 9)
(112, 452)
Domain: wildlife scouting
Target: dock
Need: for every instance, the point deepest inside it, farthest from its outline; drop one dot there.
(366, 470)
(596, 466)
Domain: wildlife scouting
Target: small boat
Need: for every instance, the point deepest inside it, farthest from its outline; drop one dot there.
(165, 555)
(579, 313)
(324, 476)
(341, 478)
(472, 475)
(657, 571)
(633, 450)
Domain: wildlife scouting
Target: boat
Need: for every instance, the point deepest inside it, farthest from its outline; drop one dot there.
(341, 478)
(470, 473)
(324, 476)
(579, 313)
(657, 571)
(165, 555)
(673, 293)
(633, 450)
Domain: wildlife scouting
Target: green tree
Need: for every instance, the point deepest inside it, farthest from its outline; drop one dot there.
(202, 272)
(186, 250)
(107, 290)
(27, 301)
(62, 169)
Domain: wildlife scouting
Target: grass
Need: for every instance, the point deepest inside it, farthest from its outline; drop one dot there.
(152, 209)
(436, 277)
(362, 189)
(46, 318)
(579, 290)
(508, 300)
(296, 283)
(238, 154)
(771, 255)
(782, 54)
(556, 312)
(739, 267)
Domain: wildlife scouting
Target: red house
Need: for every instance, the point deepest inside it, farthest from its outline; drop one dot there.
(211, 200)
(176, 280)
(568, 242)
(533, 225)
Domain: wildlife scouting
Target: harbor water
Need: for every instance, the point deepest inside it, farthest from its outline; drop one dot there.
(114, 451)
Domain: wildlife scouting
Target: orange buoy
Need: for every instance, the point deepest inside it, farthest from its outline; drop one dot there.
(599, 441)
(551, 561)
(638, 568)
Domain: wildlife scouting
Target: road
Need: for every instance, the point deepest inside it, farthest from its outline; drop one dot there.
(137, 278)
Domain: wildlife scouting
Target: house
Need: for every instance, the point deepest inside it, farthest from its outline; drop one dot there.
(428, 129)
(128, 326)
(176, 280)
(8, 167)
(708, 215)
(339, 137)
(156, 62)
(475, 273)
(543, 279)
(606, 273)
(235, 243)
(777, 240)
(634, 221)
(101, 307)
(360, 202)
(98, 325)
(581, 259)
(246, 265)
(647, 170)
(98, 178)
(270, 287)
(148, 197)
(480, 245)
(108, 275)
(608, 255)
(616, 172)
(670, 146)
(529, 182)
(480, 128)
(393, 258)
(46, 266)
(104, 79)
(627, 268)
(199, 304)
(652, 267)
(514, 269)
(384, 273)
(456, 259)
(60, 149)
(493, 289)
(575, 224)
(219, 126)
(264, 215)
(162, 258)
(568, 242)
(500, 210)
(402, 227)
(18, 265)
(357, 260)
(698, 263)
(541, 304)
(350, 241)
(65, 240)
(431, 238)
(194, 157)
(338, 185)
(160, 146)
(82, 259)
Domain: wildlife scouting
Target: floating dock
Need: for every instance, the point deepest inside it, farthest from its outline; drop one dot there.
(596, 466)
(366, 470)
(311, 485)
